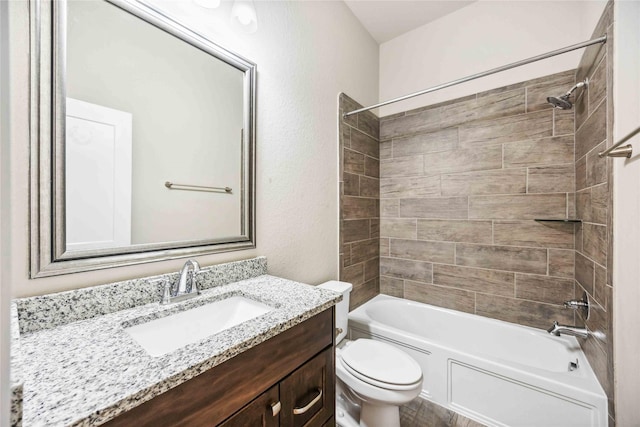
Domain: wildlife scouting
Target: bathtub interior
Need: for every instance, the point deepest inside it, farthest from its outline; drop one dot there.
(506, 380)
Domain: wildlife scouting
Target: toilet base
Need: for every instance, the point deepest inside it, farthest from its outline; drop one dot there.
(379, 415)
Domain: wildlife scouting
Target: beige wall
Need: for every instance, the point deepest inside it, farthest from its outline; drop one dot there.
(626, 210)
(5, 264)
(307, 52)
(478, 37)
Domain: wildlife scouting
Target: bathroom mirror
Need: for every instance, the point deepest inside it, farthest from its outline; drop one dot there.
(142, 139)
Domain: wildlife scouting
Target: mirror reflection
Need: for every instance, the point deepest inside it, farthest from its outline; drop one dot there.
(144, 108)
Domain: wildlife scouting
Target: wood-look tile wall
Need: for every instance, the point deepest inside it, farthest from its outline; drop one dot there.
(359, 202)
(460, 186)
(594, 242)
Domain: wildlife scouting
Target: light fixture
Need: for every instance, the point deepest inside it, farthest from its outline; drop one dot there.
(207, 4)
(243, 14)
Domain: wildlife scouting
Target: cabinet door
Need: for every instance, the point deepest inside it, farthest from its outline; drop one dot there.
(263, 411)
(308, 394)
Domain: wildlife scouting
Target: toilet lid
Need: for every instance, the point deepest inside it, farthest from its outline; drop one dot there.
(381, 362)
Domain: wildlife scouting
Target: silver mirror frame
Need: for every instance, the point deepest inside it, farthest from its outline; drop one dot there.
(47, 136)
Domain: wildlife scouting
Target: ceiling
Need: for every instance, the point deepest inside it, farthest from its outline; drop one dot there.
(387, 19)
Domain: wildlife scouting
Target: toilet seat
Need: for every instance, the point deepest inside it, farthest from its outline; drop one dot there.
(381, 365)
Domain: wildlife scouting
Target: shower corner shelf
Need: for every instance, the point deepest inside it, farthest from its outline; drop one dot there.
(573, 220)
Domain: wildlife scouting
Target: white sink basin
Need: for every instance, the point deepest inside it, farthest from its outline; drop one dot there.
(166, 334)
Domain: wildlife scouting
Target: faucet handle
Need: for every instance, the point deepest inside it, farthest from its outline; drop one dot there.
(166, 293)
(581, 305)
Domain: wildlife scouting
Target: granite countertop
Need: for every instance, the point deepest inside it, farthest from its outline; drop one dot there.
(89, 371)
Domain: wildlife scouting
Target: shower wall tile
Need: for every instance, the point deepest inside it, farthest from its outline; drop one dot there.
(360, 244)
(563, 122)
(371, 167)
(596, 166)
(524, 312)
(455, 230)
(585, 272)
(421, 122)
(507, 129)
(593, 131)
(491, 163)
(500, 181)
(418, 250)
(365, 144)
(526, 206)
(407, 269)
(552, 290)
(549, 179)
(455, 299)
(475, 279)
(354, 230)
(364, 250)
(369, 187)
(389, 208)
(353, 274)
(594, 242)
(399, 228)
(600, 285)
(561, 263)
(443, 140)
(353, 162)
(402, 166)
(581, 173)
(363, 293)
(391, 286)
(539, 152)
(351, 184)
(369, 124)
(518, 259)
(384, 247)
(360, 207)
(534, 234)
(435, 208)
(597, 86)
(386, 148)
(372, 269)
(463, 160)
(408, 187)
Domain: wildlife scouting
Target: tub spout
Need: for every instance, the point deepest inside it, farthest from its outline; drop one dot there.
(558, 330)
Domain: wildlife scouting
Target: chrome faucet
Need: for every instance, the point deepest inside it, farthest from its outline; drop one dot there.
(185, 287)
(574, 331)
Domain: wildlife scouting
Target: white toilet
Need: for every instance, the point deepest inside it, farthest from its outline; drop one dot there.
(373, 378)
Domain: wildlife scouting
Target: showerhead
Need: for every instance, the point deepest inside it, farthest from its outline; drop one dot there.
(562, 102)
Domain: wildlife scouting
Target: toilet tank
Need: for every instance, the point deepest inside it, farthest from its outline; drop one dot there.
(342, 308)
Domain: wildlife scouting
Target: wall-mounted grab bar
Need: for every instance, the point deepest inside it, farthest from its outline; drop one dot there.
(625, 151)
(171, 186)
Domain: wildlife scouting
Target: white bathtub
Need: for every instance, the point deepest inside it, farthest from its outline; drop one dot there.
(494, 372)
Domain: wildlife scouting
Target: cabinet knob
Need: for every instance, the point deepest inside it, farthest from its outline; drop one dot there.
(298, 411)
(275, 408)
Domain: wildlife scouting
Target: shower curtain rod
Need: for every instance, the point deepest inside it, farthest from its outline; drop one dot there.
(602, 39)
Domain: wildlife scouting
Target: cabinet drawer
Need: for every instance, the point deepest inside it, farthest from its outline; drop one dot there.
(308, 394)
(260, 412)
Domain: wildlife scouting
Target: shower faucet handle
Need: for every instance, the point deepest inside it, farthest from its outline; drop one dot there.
(575, 304)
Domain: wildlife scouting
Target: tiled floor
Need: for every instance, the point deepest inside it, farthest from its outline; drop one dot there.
(422, 413)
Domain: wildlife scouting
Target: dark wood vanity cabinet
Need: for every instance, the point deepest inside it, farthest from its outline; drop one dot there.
(288, 380)
(305, 398)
